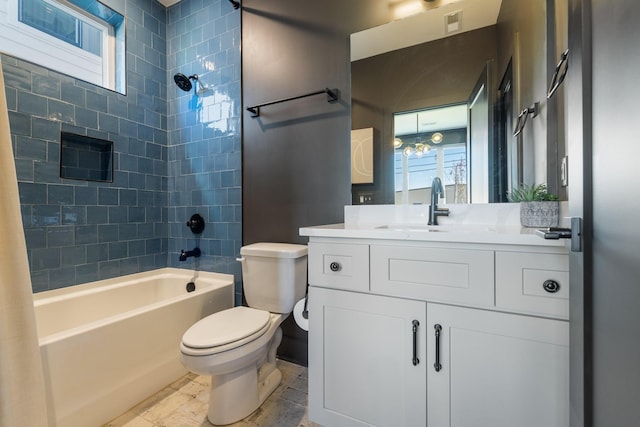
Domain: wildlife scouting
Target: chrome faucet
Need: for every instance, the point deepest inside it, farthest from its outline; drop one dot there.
(186, 254)
(434, 211)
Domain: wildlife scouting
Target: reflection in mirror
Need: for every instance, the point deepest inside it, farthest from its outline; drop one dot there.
(494, 44)
(430, 143)
(81, 38)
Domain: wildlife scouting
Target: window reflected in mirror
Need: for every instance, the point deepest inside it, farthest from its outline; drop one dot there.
(430, 143)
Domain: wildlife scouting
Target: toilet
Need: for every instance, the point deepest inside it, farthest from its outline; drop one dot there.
(237, 347)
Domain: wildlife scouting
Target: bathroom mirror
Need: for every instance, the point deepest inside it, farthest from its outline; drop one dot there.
(451, 53)
(84, 39)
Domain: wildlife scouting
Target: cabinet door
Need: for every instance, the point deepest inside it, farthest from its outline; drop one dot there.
(497, 369)
(361, 360)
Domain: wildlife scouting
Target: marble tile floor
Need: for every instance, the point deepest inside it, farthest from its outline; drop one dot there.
(184, 404)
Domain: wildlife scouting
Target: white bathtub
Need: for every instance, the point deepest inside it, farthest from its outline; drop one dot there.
(110, 344)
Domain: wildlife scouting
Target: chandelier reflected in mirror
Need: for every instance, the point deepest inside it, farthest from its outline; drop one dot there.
(418, 147)
(430, 143)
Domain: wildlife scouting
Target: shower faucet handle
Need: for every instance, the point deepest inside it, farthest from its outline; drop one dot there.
(196, 224)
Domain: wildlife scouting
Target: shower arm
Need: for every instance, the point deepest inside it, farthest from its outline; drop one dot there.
(184, 82)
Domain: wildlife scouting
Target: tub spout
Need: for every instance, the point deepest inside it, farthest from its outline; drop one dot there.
(186, 254)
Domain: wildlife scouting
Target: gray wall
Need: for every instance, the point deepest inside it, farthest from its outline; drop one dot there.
(296, 155)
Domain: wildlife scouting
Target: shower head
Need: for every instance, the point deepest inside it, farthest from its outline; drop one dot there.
(184, 82)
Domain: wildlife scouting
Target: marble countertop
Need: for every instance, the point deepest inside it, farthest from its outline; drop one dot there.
(485, 224)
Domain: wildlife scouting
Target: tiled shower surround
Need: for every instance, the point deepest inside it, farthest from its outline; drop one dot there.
(174, 154)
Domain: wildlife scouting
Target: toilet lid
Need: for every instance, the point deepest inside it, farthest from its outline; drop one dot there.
(225, 327)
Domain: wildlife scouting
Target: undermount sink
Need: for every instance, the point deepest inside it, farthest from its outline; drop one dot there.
(411, 227)
(459, 228)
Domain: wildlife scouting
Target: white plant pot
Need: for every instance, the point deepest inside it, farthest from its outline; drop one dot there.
(539, 214)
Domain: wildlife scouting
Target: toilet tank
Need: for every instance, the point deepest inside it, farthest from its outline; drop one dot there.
(274, 275)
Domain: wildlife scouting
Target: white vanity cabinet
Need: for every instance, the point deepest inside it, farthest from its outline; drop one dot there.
(503, 335)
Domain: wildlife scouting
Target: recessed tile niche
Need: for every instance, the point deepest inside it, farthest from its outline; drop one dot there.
(86, 158)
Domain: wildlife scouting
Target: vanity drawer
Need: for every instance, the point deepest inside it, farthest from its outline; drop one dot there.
(521, 279)
(339, 266)
(434, 274)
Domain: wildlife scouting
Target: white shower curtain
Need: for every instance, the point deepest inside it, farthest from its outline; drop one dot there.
(22, 393)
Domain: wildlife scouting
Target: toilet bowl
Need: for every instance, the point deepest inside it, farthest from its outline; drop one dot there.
(237, 347)
(238, 387)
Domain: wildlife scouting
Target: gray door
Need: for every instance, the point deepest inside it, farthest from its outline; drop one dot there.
(578, 111)
(603, 93)
(615, 246)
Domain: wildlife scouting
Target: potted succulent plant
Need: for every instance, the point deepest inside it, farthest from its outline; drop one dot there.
(538, 207)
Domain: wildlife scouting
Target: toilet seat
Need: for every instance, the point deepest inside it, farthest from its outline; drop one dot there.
(225, 330)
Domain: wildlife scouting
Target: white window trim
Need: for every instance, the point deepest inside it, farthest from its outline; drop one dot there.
(28, 43)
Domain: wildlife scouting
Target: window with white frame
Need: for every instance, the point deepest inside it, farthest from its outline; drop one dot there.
(66, 38)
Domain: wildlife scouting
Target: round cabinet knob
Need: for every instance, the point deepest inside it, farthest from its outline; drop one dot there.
(335, 266)
(551, 286)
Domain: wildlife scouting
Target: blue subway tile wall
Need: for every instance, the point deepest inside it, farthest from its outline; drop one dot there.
(204, 164)
(80, 231)
(174, 153)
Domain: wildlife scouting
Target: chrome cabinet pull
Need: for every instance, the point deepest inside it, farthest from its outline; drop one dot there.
(559, 74)
(437, 365)
(415, 359)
